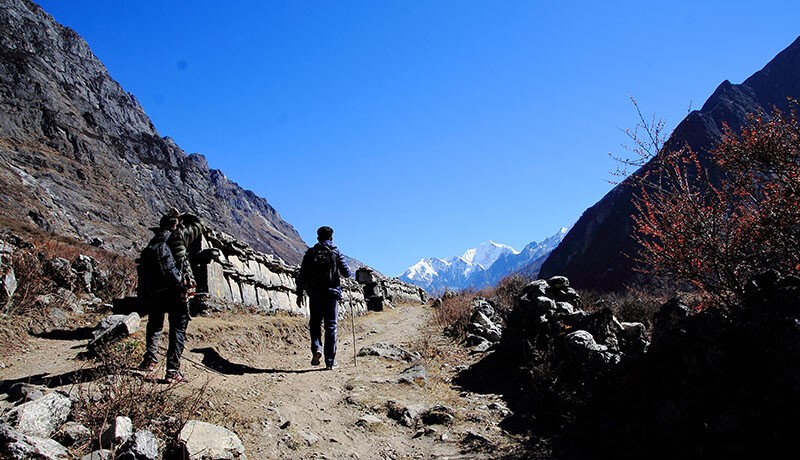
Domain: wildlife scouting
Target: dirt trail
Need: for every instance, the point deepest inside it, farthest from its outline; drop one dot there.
(264, 388)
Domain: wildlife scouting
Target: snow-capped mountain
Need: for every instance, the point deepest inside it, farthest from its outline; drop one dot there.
(480, 267)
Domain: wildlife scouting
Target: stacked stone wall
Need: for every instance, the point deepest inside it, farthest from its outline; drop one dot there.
(231, 275)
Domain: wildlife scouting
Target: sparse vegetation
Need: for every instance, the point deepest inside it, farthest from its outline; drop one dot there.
(714, 227)
(161, 409)
(636, 305)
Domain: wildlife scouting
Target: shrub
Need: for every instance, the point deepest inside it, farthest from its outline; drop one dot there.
(162, 409)
(715, 226)
(454, 313)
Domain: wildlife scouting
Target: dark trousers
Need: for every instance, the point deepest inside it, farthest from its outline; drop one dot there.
(178, 312)
(323, 308)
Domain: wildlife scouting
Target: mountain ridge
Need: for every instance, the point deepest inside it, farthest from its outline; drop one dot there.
(81, 158)
(598, 252)
(479, 267)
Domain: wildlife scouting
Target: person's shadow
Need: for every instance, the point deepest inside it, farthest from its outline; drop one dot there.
(216, 362)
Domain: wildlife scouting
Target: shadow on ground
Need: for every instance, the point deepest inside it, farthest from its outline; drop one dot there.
(82, 333)
(216, 362)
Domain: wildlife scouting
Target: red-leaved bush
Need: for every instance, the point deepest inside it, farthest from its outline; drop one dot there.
(716, 232)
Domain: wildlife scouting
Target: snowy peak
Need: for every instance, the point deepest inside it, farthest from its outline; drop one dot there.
(481, 266)
(487, 253)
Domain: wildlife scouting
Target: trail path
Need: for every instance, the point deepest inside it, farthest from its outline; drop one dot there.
(264, 388)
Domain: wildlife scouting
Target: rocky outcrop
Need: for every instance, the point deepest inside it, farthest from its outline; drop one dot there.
(79, 157)
(592, 254)
(713, 384)
(27, 431)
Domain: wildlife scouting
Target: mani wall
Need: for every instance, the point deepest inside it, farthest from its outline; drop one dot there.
(230, 275)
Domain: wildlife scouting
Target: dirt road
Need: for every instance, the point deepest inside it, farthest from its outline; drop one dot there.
(256, 374)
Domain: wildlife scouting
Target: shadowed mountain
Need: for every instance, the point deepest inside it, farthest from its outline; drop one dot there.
(79, 156)
(594, 254)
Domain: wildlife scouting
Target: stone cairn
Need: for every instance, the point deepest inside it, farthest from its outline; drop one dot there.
(378, 290)
(230, 275)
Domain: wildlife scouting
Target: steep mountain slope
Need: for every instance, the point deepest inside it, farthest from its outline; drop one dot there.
(594, 253)
(79, 157)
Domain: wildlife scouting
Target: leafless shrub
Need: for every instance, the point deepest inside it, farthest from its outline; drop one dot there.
(636, 305)
(158, 407)
(454, 313)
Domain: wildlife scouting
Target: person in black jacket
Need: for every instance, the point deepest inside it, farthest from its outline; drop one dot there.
(319, 276)
(180, 231)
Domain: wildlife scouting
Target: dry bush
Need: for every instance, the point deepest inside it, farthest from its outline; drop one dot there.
(115, 275)
(635, 305)
(31, 283)
(506, 293)
(454, 313)
(160, 408)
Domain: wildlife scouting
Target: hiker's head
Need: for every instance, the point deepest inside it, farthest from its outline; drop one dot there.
(324, 233)
(170, 220)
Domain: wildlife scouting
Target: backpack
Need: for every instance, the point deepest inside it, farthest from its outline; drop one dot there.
(156, 270)
(323, 273)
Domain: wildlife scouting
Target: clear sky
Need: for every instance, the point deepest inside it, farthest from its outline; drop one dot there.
(422, 128)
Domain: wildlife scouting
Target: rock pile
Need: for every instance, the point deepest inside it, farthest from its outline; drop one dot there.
(577, 346)
(40, 429)
(61, 287)
(713, 384)
(486, 326)
(552, 353)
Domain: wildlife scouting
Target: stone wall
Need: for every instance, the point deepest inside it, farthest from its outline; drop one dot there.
(230, 274)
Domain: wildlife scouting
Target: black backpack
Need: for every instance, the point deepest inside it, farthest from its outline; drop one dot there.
(156, 270)
(323, 273)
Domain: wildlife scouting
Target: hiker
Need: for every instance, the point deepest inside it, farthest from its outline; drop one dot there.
(171, 284)
(319, 276)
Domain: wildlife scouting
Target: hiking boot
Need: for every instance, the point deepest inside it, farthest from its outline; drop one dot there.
(316, 358)
(175, 377)
(148, 366)
(331, 366)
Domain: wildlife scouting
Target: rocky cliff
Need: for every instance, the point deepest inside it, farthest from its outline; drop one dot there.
(79, 157)
(594, 253)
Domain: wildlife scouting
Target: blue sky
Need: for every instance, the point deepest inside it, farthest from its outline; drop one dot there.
(422, 128)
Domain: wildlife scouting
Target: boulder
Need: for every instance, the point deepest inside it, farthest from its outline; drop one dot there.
(142, 446)
(25, 392)
(61, 272)
(17, 446)
(558, 282)
(119, 431)
(205, 441)
(72, 433)
(39, 418)
(414, 375)
(370, 422)
(438, 415)
(102, 454)
(406, 415)
(389, 351)
(112, 329)
(8, 284)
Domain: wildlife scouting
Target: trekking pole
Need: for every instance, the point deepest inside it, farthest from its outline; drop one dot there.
(353, 327)
(203, 366)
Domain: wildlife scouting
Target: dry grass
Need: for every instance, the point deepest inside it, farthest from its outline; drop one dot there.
(151, 405)
(632, 305)
(454, 313)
